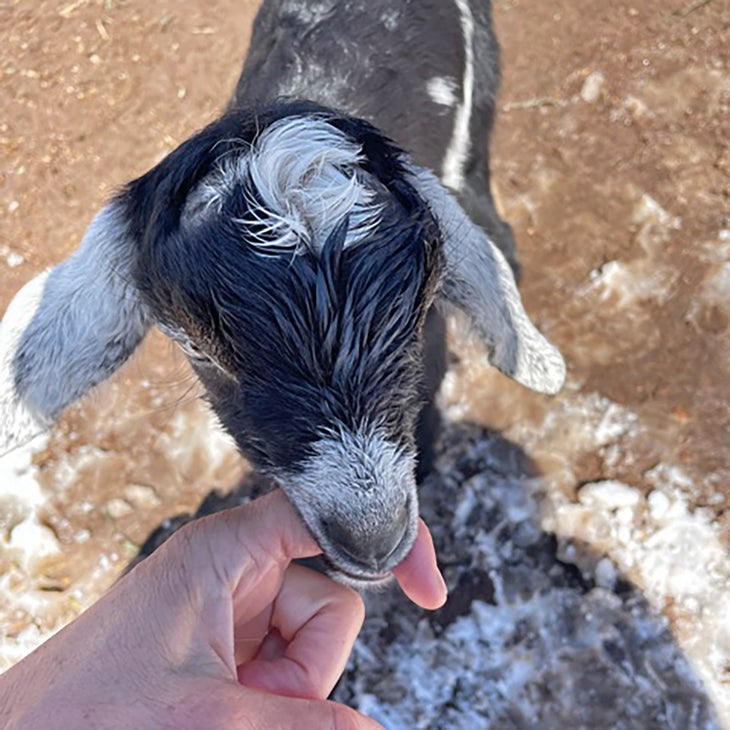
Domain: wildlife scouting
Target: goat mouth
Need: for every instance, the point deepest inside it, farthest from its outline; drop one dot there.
(359, 580)
(370, 578)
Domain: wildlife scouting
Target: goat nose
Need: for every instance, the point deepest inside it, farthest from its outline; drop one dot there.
(372, 550)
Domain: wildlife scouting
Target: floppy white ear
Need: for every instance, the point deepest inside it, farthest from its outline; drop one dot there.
(479, 281)
(68, 329)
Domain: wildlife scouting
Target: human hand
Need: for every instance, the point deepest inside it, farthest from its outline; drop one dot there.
(215, 630)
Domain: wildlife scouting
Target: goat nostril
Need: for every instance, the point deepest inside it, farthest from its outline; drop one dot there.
(374, 550)
(395, 545)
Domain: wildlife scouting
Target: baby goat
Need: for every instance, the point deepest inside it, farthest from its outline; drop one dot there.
(294, 252)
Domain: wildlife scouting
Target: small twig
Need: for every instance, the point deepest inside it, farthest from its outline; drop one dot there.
(532, 103)
(696, 5)
(102, 31)
(68, 10)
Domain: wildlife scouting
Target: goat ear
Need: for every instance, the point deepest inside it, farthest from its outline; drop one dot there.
(479, 281)
(68, 329)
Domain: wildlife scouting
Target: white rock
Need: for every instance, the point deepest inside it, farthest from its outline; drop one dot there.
(14, 260)
(606, 573)
(658, 504)
(117, 508)
(33, 539)
(592, 87)
(610, 494)
(142, 496)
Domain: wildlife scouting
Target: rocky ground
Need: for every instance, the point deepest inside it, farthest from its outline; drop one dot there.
(584, 537)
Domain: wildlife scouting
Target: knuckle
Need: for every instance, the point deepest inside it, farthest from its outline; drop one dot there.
(343, 718)
(351, 602)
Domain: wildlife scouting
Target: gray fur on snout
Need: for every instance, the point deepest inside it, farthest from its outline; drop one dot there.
(360, 481)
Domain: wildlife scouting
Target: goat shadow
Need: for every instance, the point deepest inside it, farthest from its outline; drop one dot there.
(526, 640)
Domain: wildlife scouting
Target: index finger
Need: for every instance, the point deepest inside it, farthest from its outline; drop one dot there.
(268, 529)
(318, 621)
(244, 551)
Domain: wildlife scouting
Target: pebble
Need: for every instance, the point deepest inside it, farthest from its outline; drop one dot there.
(592, 87)
(658, 504)
(142, 497)
(117, 508)
(609, 494)
(606, 573)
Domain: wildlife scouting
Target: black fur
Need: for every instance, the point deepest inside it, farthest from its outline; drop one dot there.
(305, 342)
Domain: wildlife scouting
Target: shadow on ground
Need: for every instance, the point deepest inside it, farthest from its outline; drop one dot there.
(526, 639)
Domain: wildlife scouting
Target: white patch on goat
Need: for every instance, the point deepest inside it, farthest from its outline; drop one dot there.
(390, 19)
(307, 179)
(359, 479)
(309, 14)
(458, 150)
(442, 90)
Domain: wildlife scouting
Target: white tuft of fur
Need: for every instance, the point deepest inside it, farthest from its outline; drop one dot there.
(307, 179)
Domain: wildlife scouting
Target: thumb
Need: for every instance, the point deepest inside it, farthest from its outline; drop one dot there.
(249, 542)
(269, 526)
(262, 711)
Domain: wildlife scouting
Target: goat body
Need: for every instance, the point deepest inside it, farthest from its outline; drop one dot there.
(294, 252)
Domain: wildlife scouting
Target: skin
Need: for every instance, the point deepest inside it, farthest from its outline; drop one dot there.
(215, 629)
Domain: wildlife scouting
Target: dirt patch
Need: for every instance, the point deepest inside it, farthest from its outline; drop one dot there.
(618, 183)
